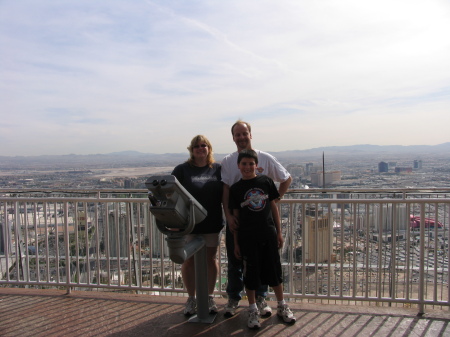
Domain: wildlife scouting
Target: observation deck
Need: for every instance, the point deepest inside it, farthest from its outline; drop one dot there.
(93, 263)
(38, 312)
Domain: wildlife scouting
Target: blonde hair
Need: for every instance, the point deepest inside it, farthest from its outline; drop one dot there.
(200, 139)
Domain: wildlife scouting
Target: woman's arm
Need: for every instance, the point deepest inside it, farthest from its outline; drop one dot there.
(237, 249)
(232, 221)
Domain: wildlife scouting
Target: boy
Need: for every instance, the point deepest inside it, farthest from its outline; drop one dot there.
(258, 238)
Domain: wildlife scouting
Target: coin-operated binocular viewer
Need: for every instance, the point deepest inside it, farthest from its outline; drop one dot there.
(176, 213)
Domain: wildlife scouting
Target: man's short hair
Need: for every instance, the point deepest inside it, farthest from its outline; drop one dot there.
(248, 153)
(240, 121)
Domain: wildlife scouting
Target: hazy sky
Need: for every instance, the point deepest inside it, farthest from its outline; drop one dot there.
(86, 77)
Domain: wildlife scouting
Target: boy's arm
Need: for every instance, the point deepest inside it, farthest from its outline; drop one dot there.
(276, 219)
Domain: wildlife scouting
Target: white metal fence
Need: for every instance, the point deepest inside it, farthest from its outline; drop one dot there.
(380, 247)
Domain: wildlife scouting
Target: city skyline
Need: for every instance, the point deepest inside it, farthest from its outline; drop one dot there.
(84, 77)
(347, 167)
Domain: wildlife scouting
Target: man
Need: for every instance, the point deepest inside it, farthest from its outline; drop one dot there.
(268, 165)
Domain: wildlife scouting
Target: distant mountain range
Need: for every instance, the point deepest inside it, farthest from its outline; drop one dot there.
(135, 158)
(368, 149)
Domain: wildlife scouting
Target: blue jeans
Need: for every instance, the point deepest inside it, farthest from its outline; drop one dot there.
(235, 284)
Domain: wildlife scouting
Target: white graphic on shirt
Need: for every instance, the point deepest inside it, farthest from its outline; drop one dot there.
(203, 179)
(255, 199)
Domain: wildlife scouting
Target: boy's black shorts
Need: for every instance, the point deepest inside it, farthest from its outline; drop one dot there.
(261, 258)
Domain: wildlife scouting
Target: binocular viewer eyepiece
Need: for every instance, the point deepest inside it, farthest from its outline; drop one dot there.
(176, 211)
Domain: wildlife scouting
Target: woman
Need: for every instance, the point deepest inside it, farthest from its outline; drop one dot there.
(200, 175)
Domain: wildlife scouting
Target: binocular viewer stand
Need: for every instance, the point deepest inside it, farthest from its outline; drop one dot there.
(176, 213)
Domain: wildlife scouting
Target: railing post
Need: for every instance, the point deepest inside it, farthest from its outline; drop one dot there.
(422, 261)
(67, 247)
(447, 253)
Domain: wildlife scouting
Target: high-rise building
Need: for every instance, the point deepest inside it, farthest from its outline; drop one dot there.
(383, 167)
(127, 183)
(118, 236)
(330, 177)
(385, 217)
(296, 170)
(317, 236)
(309, 168)
(2, 238)
(417, 164)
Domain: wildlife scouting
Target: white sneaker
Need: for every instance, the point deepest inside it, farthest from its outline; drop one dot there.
(253, 319)
(230, 308)
(284, 312)
(190, 307)
(263, 308)
(212, 305)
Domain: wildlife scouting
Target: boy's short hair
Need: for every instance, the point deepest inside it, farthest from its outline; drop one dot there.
(248, 154)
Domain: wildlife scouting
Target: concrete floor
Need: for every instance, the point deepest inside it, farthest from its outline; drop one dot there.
(35, 312)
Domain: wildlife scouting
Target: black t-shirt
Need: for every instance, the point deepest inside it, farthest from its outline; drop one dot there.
(252, 197)
(205, 185)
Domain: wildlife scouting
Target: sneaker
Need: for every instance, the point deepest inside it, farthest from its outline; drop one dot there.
(191, 306)
(212, 305)
(230, 309)
(263, 308)
(253, 319)
(285, 313)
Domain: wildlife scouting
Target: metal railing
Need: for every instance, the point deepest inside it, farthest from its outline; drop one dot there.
(380, 247)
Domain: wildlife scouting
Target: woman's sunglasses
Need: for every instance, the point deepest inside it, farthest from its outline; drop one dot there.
(198, 146)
